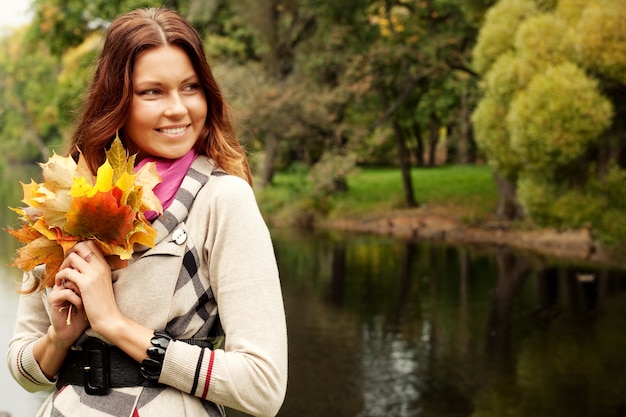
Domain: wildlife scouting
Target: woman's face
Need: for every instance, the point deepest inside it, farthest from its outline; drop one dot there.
(168, 109)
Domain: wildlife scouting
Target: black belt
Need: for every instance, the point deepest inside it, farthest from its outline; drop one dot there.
(98, 367)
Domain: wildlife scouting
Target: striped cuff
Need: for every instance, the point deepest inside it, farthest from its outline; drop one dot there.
(29, 369)
(188, 368)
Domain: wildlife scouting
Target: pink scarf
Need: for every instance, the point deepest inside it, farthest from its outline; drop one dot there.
(172, 172)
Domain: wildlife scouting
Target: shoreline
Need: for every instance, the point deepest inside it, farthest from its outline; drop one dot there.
(424, 224)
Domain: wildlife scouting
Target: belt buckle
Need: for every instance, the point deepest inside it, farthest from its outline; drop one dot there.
(96, 369)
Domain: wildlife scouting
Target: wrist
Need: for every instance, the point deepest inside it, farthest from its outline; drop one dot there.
(49, 352)
(113, 328)
(54, 341)
(152, 365)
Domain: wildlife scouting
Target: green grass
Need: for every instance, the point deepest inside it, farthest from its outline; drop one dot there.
(467, 191)
(381, 188)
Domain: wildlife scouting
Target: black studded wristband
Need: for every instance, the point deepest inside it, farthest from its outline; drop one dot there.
(152, 365)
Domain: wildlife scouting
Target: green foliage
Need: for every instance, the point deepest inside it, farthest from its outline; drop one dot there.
(535, 194)
(502, 82)
(612, 222)
(493, 138)
(77, 68)
(489, 118)
(550, 207)
(598, 205)
(541, 41)
(27, 112)
(329, 174)
(554, 120)
(571, 10)
(549, 117)
(601, 41)
(63, 24)
(226, 34)
(497, 34)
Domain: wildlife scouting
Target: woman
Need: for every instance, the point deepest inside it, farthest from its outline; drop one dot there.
(148, 339)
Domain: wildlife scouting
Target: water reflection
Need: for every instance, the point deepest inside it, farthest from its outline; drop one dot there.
(380, 327)
(383, 327)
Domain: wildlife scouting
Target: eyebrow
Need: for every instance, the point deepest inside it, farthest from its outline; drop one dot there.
(159, 83)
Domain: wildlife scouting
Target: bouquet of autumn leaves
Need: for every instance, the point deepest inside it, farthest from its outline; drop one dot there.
(72, 205)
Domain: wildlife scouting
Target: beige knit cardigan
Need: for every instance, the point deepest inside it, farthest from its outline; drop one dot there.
(224, 231)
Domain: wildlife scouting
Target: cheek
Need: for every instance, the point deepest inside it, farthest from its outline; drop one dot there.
(200, 111)
(140, 119)
(142, 113)
(198, 107)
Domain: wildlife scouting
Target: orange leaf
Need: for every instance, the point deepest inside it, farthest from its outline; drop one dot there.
(100, 217)
(115, 262)
(24, 235)
(144, 234)
(40, 251)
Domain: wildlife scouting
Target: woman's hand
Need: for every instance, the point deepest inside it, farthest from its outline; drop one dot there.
(67, 315)
(86, 274)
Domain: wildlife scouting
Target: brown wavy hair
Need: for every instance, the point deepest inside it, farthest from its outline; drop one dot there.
(107, 103)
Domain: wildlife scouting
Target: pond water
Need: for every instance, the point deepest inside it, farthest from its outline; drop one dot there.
(380, 327)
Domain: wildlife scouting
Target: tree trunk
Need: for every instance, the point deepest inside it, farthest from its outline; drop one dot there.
(35, 138)
(463, 146)
(271, 149)
(509, 207)
(419, 152)
(33, 134)
(433, 139)
(405, 165)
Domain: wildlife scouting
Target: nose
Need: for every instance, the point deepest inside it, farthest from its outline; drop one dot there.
(175, 106)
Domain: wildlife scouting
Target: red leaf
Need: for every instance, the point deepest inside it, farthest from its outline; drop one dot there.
(100, 217)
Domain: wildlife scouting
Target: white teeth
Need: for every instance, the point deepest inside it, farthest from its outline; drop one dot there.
(174, 131)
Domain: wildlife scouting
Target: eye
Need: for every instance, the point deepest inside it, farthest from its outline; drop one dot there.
(150, 92)
(192, 87)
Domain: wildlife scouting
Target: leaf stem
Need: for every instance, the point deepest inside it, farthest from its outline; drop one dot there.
(68, 321)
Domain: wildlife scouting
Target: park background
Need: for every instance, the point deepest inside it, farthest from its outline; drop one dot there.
(457, 121)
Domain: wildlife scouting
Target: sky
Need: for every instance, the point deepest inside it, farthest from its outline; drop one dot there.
(14, 13)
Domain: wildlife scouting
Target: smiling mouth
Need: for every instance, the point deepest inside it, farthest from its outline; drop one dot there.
(173, 131)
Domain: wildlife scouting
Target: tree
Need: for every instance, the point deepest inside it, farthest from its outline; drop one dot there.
(280, 28)
(549, 118)
(412, 61)
(27, 112)
(62, 24)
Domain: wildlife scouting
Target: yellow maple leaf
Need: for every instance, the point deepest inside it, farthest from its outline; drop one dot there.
(35, 194)
(126, 183)
(104, 178)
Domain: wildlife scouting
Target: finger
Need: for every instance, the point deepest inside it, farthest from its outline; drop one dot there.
(66, 278)
(84, 249)
(75, 261)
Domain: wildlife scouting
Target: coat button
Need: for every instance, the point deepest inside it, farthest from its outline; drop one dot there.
(179, 236)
